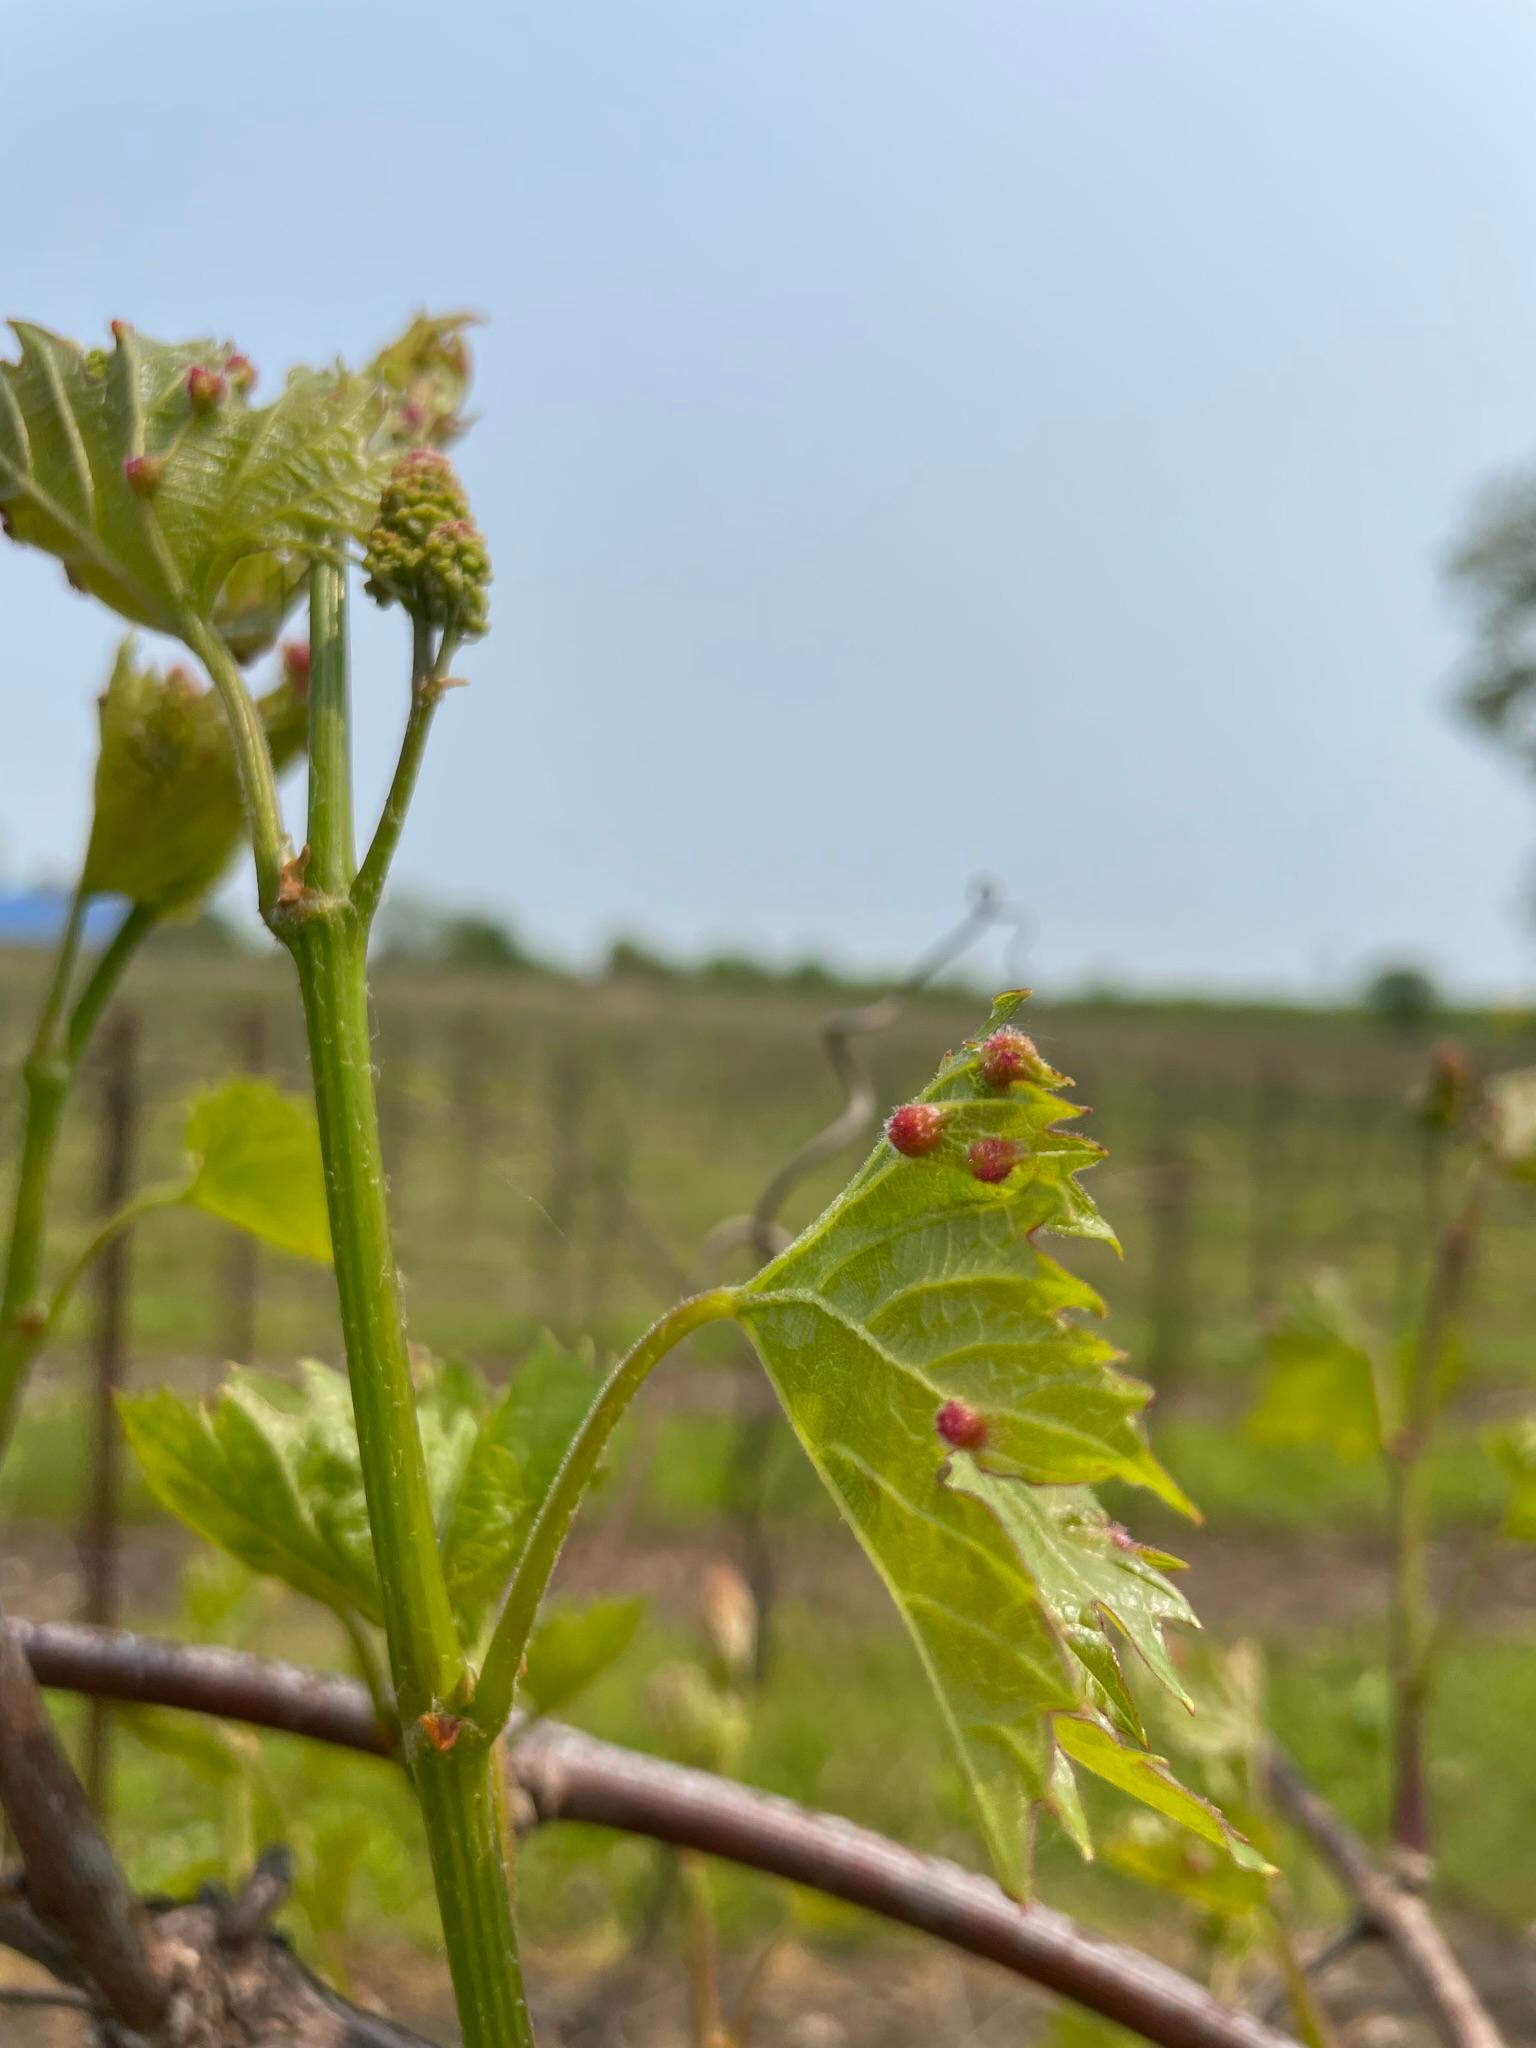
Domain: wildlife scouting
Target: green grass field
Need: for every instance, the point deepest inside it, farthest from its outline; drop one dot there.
(559, 1155)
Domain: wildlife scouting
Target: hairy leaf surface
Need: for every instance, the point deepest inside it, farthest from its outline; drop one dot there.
(167, 819)
(574, 1643)
(483, 1522)
(260, 1476)
(923, 1285)
(257, 1165)
(1323, 1384)
(270, 1472)
(228, 483)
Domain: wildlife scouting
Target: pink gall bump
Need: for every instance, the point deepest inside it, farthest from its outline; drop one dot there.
(1009, 1056)
(960, 1426)
(915, 1129)
(144, 474)
(992, 1159)
(296, 667)
(241, 372)
(205, 388)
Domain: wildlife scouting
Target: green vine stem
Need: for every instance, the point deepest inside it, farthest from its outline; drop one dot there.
(427, 687)
(1413, 1634)
(492, 1704)
(450, 1762)
(253, 759)
(49, 1072)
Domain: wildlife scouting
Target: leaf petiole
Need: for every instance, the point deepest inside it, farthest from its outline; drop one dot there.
(491, 1707)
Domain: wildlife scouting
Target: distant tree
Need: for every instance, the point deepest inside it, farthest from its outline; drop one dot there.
(1495, 566)
(814, 978)
(474, 940)
(1402, 997)
(419, 933)
(735, 971)
(208, 932)
(630, 960)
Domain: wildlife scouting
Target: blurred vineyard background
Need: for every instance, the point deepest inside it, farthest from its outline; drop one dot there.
(559, 1154)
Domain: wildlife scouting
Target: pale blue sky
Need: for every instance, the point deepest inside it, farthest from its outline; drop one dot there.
(1008, 434)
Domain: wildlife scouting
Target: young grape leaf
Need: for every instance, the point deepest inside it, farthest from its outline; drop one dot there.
(147, 472)
(572, 1645)
(423, 377)
(1512, 1446)
(1160, 1854)
(270, 1472)
(484, 1521)
(1323, 1384)
(167, 818)
(919, 1306)
(242, 1473)
(257, 1165)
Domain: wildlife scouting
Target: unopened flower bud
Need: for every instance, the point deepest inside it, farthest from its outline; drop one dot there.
(993, 1159)
(144, 474)
(730, 1621)
(424, 551)
(296, 666)
(205, 388)
(1009, 1056)
(961, 1427)
(1447, 1089)
(915, 1129)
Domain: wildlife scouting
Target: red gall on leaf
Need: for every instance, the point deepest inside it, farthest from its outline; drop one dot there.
(993, 1159)
(1009, 1056)
(960, 1426)
(205, 388)
(915, 1129)
(296, 667)
(241, 372)
(144, 474)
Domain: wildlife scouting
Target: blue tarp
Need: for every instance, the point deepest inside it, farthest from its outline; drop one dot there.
(35, 917)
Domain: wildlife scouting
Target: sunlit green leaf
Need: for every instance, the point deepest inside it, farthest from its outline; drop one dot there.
(271, 1473)
(922, 1288)
(242, 1474)
(1148, 1778)
(167, 819)
(483, 1522)
(425, 375)
(572, 1645)
(424, 380)
(1161, 1854)
(1512, 1446)
(1323, 1384)
(149, 497)
(257, 1165)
